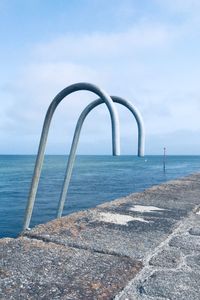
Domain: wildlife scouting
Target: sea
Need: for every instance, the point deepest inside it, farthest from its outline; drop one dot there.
(95, 180)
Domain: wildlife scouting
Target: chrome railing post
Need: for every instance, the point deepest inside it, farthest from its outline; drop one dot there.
(40, 156)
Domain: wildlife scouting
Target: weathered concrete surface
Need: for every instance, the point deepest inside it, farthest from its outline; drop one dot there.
(144, 246)
(32, 269)
(172, 271)
(88, 230)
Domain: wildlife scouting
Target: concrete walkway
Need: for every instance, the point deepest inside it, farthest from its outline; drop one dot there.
(144, 246)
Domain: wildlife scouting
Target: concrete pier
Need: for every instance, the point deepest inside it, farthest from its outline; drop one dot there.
(143, 246)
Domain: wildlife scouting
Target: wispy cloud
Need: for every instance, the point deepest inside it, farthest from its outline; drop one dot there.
(180, 6)
(106, 45)
(152, 62)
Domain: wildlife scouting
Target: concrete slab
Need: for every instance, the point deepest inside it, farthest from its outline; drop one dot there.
(185, 242)
(175, 285)
(141, 208)
(166, 258)
(32, 269)
(89, 231)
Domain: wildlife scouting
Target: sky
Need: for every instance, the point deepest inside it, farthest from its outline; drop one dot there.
(144, 51)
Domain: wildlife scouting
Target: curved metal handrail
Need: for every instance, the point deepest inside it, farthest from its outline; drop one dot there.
(72, 154)
(43, 139)
(139, 121)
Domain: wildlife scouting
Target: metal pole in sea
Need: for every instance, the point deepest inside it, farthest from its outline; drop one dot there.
(164, 159)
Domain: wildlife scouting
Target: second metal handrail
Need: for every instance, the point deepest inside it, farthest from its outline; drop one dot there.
(72, 154)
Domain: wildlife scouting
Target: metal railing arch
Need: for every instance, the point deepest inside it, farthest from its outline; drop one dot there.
(45, 130)
(72, 154)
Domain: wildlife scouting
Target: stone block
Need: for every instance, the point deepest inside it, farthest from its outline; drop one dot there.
(169, 258)
(32, 269)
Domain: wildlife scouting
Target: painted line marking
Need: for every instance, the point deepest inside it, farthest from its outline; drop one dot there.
(118, 218)
(142, 208)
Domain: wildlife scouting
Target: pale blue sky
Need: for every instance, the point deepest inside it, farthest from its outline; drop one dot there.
(145, 51)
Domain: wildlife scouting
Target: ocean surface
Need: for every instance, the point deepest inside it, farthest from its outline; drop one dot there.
(96, 179)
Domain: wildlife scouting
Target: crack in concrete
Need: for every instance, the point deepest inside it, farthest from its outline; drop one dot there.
(73, 245)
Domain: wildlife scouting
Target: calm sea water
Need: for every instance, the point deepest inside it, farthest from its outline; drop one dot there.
(96, 179)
